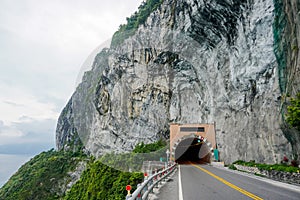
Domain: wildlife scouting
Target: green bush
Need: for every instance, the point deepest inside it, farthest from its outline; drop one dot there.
(293, 112)
(147, 148)
(232, 167)
(239, 162)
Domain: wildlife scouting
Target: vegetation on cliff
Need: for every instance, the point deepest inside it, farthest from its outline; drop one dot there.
(41, 177)
(99, 181)
(280, 46)
(44, 176)
(133, 22)
(293, 113)
(147, 148)
(286, 51)
(134, 161)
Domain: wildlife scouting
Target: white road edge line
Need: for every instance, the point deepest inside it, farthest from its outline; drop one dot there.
(179, 184)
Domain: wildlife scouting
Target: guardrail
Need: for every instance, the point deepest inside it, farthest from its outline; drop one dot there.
(147, 186)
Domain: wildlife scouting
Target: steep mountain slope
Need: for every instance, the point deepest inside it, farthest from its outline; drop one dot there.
(191, 61)
(73, 175)
(46, 176)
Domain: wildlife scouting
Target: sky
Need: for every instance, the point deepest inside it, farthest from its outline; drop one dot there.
(43, 45)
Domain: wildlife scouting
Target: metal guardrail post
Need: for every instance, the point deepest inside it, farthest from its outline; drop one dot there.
(139, 195)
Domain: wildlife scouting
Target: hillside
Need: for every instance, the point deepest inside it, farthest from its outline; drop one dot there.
(73, 175)
(46, 176)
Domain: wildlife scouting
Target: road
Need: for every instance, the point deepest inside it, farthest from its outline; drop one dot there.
(206, 182)
(201, 182)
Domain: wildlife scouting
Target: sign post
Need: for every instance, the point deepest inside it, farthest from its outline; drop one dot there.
(168, 154)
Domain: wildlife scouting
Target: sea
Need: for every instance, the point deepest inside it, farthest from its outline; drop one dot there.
(9, 164)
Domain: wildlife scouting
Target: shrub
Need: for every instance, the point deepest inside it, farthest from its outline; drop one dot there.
(293, 112)
(232, 167)
(147, 148)
(239, 162)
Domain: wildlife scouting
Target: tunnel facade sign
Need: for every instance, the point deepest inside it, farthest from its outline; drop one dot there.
(192, 129)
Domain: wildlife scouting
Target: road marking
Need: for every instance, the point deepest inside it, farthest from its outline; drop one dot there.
(229, 184)
(180, 185)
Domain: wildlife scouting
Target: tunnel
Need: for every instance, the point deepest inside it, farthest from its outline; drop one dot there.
(192, 150)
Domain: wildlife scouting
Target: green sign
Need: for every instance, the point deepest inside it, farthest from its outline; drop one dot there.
(162, 159)
(216, 154)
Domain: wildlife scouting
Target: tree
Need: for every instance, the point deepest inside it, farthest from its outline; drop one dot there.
(293, 112)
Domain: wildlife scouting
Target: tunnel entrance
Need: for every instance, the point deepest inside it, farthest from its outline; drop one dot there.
(192, 150)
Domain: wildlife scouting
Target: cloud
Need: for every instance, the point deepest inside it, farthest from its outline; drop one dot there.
(18, 102)
(43, 45)
(9, 134)
(13, 104)
(67, 25)
(32, 134)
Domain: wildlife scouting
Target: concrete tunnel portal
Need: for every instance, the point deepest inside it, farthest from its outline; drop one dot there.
(192, 143)
(192, 150)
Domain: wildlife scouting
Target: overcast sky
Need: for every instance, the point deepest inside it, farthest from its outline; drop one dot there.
(43, 44)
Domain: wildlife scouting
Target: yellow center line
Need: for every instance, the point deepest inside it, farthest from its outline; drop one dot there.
(229, 184)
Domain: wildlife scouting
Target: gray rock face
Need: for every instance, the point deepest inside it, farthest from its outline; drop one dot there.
(72, 177)
(193, 61)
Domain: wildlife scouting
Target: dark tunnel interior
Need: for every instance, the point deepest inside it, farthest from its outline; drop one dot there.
(192, 150)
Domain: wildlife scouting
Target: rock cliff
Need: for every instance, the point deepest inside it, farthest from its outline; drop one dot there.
(286, 45)
(192, 61)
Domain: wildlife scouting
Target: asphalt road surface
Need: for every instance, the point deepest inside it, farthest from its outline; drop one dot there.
(201, 182)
